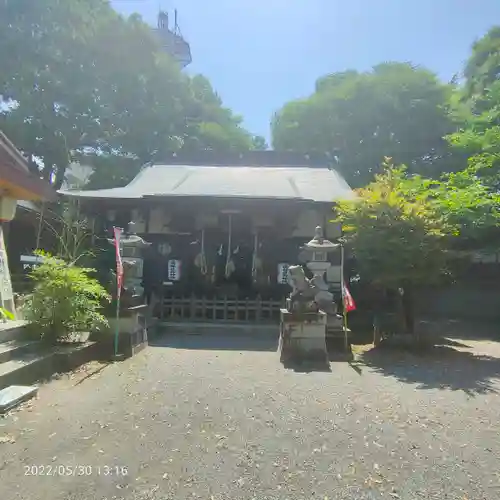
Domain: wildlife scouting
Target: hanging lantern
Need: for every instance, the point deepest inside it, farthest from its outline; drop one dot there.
(283, 273)
(174, 269)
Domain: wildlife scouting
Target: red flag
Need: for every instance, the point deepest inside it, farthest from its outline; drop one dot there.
(117, 232)
(349, 304)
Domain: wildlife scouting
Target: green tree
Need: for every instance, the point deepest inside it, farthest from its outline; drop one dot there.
(468, 208)
(44, 76)
(259, 143)
(211, 125)
(395, 110)
(408, 231)
(80, 82)
(396, 234)
(477, 103)
(483, 66)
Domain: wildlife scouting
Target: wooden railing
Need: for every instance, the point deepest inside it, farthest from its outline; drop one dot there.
(221, 308)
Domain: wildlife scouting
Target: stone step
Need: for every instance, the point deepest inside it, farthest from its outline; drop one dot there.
(14, 395)
(14, 348)
(26, 368)
(38, 362)
(13, 330)
(218, 328)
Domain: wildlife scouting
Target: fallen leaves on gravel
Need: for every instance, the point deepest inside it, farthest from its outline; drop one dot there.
(7, 439)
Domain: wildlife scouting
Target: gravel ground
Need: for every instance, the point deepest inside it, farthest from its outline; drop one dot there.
(221, 419)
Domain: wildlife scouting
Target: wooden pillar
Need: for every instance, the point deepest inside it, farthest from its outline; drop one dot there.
(6, 294)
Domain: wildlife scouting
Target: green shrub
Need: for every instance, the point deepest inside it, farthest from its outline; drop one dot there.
(6, 315)
(65, 300)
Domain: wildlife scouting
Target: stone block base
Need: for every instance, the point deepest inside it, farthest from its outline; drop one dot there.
(133, 331)
(303, 339)
(13, 396)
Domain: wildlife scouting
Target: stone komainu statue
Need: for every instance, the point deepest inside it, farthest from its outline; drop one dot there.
(303, 291)
(306, 296)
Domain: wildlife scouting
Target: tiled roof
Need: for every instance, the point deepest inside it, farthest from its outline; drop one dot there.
(298, 183)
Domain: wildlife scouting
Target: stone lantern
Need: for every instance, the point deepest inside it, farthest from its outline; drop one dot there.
(305, 319)
(319, 249)
(130, 324)
(131, 248)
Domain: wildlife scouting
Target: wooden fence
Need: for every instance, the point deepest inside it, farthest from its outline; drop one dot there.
(221, 308)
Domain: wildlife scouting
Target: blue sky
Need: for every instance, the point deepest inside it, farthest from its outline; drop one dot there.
(258, 54)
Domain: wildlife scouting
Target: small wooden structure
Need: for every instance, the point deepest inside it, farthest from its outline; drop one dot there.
(16, 183)
(223, 229)
(34, 227)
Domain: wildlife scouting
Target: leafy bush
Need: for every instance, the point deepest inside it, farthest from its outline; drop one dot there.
(5, 315)
(65, 299)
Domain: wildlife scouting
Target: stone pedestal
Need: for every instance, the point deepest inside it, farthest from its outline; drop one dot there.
(303, 339)
(133, 330)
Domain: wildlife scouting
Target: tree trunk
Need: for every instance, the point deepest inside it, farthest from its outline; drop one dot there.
(377, 304)
(377, 334)
(408, 303)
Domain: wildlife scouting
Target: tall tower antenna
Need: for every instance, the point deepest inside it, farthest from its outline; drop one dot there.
(171, 39)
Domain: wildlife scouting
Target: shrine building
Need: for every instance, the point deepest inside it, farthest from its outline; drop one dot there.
(224, 229)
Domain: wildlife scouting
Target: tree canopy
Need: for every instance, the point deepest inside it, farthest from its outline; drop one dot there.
(80, 82)
(478, 104)
(394, 230)
(469, 209)
(447, 135)
(483, 66)
(402, 227)
(395, 110)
